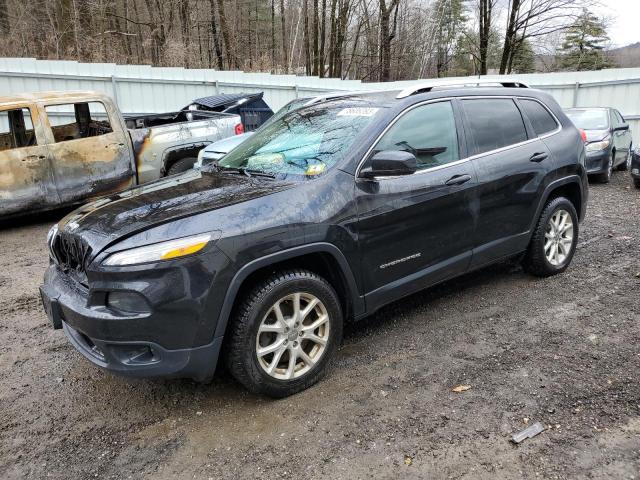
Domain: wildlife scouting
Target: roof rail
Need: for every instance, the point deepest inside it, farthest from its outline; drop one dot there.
(471, 82)
(338, 94)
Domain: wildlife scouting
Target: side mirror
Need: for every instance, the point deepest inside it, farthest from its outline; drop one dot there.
(390, 163)
(623, 127)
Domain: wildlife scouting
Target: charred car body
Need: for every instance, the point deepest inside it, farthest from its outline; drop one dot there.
(59, 149)
(323, 216)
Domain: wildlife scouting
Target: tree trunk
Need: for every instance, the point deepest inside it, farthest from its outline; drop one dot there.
(321, 54)
(485, 33)
(510, 37)
(314, 27)
(232, 62)
(285, 52)
(307, 53)
(216, 37)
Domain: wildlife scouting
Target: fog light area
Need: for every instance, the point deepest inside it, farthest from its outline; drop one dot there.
(127, 302)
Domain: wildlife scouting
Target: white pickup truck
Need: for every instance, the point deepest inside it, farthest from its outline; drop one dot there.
(61, 148)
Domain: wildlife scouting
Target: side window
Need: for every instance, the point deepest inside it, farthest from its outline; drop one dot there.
(429, 132)
(16, 129)
(619, 119)
(78, 120)
(494, 123)
(542, 121)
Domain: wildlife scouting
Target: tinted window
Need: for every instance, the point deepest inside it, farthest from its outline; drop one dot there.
(429, 132)
(542, 121)
(78, 120)
(494, 123)
(16, 129)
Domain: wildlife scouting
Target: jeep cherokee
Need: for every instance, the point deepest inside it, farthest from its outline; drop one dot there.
(322, 217)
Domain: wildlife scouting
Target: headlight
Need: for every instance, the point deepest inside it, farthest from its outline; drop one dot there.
(597, 146)
(159, 251)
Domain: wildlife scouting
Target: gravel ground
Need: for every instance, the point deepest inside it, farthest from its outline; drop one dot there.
(563, 351)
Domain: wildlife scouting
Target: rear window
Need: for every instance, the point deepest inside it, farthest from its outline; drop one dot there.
(589, 119)
(540, 118)
(495, 123)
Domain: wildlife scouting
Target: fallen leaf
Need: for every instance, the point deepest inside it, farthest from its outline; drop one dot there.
(408, 460)
(461, 388)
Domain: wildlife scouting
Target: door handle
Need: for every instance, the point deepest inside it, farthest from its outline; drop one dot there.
(538, 157)
(458, 179)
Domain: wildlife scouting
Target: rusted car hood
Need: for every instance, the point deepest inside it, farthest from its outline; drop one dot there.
(113, 218)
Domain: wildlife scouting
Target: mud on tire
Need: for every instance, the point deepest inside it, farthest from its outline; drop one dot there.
(255, 318)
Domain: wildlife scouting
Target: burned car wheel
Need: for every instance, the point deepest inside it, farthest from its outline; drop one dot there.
(182, 165)
(284, 334)
(554, 239)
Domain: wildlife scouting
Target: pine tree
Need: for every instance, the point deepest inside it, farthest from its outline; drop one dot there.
(584, 44)
(524, 60)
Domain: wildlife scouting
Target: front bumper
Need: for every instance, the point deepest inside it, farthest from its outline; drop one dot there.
(167, 341)
(598, 162)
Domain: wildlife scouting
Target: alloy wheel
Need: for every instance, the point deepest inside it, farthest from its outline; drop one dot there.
(558, 237)
(292, 337)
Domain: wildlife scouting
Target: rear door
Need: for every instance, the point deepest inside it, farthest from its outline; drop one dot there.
(512, 164)
(417, 229)
(90, 150)
(26, 180)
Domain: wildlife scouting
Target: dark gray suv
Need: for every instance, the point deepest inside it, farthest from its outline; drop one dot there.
(320, 218)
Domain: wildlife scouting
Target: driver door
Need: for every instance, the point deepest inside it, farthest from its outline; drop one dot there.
(417, 230)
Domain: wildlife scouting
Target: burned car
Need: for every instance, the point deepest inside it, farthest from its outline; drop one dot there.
(60, 149)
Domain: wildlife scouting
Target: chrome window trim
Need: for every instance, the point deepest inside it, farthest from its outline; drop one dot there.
(462, 160)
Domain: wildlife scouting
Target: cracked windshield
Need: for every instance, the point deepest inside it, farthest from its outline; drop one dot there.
(305, 142)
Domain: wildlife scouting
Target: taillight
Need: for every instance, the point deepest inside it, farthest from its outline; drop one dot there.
(239, 129)
(583, 134)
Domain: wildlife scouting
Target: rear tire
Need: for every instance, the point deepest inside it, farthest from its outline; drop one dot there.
(182, 165)
(277, 349)
(554, 239)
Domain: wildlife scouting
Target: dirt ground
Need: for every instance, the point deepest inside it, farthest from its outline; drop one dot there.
(563, 351)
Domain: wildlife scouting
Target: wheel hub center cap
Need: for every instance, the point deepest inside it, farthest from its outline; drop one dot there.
(293, 335)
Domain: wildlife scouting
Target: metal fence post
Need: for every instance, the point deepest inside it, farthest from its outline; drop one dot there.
(295, 89)
(576, 90)
(114, 87)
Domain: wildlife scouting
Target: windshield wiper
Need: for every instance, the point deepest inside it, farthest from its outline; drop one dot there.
(246, 172)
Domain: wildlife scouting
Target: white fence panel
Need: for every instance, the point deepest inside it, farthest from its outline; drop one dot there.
(145, 89)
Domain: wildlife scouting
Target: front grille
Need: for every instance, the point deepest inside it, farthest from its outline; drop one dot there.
(70, 253)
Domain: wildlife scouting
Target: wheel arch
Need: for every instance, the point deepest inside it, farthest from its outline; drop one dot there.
(569, 187)
(173, 154)
(324, 259)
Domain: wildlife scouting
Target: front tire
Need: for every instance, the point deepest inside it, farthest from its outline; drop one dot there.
(284, 334)
(626, 165)
(554, 239)
(605, 177)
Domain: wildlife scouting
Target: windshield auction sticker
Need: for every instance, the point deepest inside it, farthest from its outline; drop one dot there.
(357, 112)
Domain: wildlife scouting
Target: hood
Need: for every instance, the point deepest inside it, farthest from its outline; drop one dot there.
(227, 144)
(109, 219)
(596, 135)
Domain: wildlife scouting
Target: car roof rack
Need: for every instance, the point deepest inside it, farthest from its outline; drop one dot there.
(455, 83)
